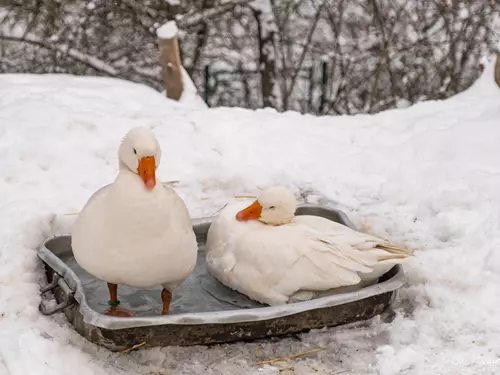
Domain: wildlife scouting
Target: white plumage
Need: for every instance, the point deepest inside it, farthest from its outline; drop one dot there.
(275, 257)
(134, 231)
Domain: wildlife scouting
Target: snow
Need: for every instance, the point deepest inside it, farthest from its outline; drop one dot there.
(168, 30)
(427, 176)
(189, 97)
(463, 13)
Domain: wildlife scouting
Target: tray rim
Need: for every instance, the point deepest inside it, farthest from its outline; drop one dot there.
(97, 319)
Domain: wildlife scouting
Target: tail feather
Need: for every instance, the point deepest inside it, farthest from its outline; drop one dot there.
(393, 249)
(398, 258)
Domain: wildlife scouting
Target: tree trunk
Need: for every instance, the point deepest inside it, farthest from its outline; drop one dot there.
(171, 67)
(267, 63)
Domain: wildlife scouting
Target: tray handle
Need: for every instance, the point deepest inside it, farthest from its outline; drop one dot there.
(68, 298)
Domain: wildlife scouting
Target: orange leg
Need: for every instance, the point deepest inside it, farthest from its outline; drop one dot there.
(166, 297)
(113, 302)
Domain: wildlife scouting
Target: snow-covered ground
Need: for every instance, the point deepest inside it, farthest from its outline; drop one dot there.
(427, 176)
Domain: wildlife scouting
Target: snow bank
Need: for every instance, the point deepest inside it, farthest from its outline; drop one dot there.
(190, 97)
(427, 176)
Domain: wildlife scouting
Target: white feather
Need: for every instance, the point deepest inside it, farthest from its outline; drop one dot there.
(274, 264)
(128, 235)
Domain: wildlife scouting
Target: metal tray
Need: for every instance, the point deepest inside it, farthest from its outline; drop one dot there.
(203, 311)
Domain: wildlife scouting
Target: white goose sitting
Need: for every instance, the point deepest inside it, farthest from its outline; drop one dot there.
(274, 257)
(134, 231)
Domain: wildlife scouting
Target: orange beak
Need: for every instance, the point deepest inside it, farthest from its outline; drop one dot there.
(147, 171)
(252, 212)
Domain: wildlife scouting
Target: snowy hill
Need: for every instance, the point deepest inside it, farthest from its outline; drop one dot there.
(427, 176)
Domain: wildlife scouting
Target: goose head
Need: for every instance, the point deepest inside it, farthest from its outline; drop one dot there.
(274, 206)
(140, 153)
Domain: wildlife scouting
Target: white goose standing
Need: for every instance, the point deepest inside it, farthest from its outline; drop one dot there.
(274, 257)
(134, 231)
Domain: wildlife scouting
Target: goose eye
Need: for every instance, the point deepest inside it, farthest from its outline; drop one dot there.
(135, 151)
(272, 207)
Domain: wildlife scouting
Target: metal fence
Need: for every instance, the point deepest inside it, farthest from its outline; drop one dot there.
(242, 88)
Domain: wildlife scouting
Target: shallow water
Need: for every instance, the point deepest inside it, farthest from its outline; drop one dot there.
(200, 292)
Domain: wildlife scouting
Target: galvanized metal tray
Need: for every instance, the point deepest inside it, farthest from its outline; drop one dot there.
(203, 311)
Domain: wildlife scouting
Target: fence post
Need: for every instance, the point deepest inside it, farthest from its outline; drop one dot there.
(206, 80)
(311, 89)
(324, 82)
(170, 60)
(497, 68)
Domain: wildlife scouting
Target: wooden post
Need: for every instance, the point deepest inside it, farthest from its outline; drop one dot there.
(497, 68)
(170, 60)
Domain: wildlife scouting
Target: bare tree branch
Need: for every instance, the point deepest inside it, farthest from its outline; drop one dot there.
(90, 61)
